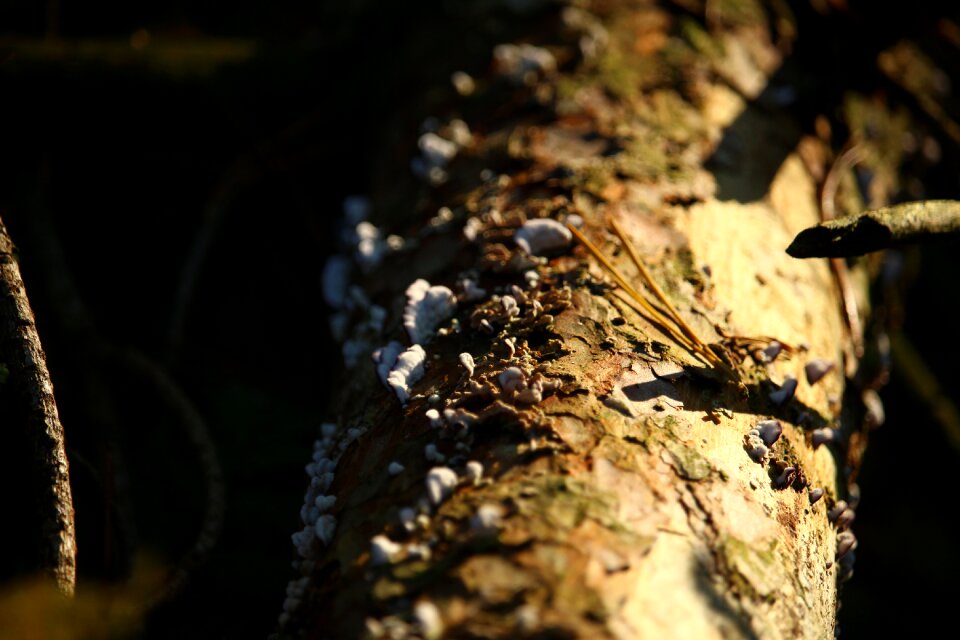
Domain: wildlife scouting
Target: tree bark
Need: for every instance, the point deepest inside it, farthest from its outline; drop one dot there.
(621, 500)
(36, 474)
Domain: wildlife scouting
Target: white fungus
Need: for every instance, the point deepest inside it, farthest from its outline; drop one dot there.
(336, 280)
(440, 482)
(510, 307)
(463, 83)
(370, 247)
(325, 527)
(437, 151)
(785, 392)
(487, 519)
(408, 518)
(471, 228)
(755, 447)
(460, 133)
(385, 357)
(512, 379)
(542, 235)
(823, 436)
(395, 468)
(428, 619)
(383, 550)
(325, 503)
(434, 417)
(770, 353)
(524, 62)
(427, 306)
(816, 369)
(474, 472)
(467, 361)
(418, 552)
(404, 370)
(769, 431)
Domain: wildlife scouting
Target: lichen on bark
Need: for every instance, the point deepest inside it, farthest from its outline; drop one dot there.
(621, 502)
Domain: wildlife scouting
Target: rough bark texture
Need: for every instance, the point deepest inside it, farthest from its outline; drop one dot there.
(624, 504)
(36, 476)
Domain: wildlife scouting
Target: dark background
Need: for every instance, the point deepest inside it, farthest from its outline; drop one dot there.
(117, 162)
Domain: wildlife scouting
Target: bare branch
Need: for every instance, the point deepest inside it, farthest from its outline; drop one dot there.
(34, 410)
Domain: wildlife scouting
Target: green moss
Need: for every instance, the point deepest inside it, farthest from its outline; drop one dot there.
(700, 39)
(689, 463)
(753, 570)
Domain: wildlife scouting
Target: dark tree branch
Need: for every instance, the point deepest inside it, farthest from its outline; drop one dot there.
(30, 407)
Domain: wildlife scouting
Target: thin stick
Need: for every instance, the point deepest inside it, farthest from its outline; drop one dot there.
(658, 292)
(686, 344)
(200, 437)
(33, 409)
(649, 308)
(878, 229)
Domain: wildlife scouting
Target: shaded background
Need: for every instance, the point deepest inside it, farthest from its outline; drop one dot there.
(143, 143)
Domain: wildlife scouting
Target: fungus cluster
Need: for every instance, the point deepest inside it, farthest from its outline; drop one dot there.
(523, 63)
(438, 147)
(427, 307)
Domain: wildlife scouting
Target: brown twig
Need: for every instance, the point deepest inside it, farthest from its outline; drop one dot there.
(35, 412)
(196, 430)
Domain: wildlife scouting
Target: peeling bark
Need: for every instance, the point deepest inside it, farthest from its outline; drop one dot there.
(619, 499)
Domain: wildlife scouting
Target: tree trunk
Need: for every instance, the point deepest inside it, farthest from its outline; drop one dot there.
(621, 494)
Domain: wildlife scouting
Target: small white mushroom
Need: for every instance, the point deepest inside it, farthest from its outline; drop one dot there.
(428, 619)
(427, 307)
(408, 518)
(395, 468)
(845, 519)
(770, 353)
(434, 417)
(407, 370)
(383, 550)
(487, 519)
(785, 392)
(542, 235)
(837, 509)
(325, 503)
(436, 151)
(755, 447)
(524, 62)
(816, 369)
(370, 247)
(509, 304)
(418, 552)
(467, 361)
(336, 280)
(824, 435)
(440, 483)
(846, 542)
(463, 83)
(325, 526)
(474, 472)
(875, 415)
(769, 431)
(512, 379)
(511, 345)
